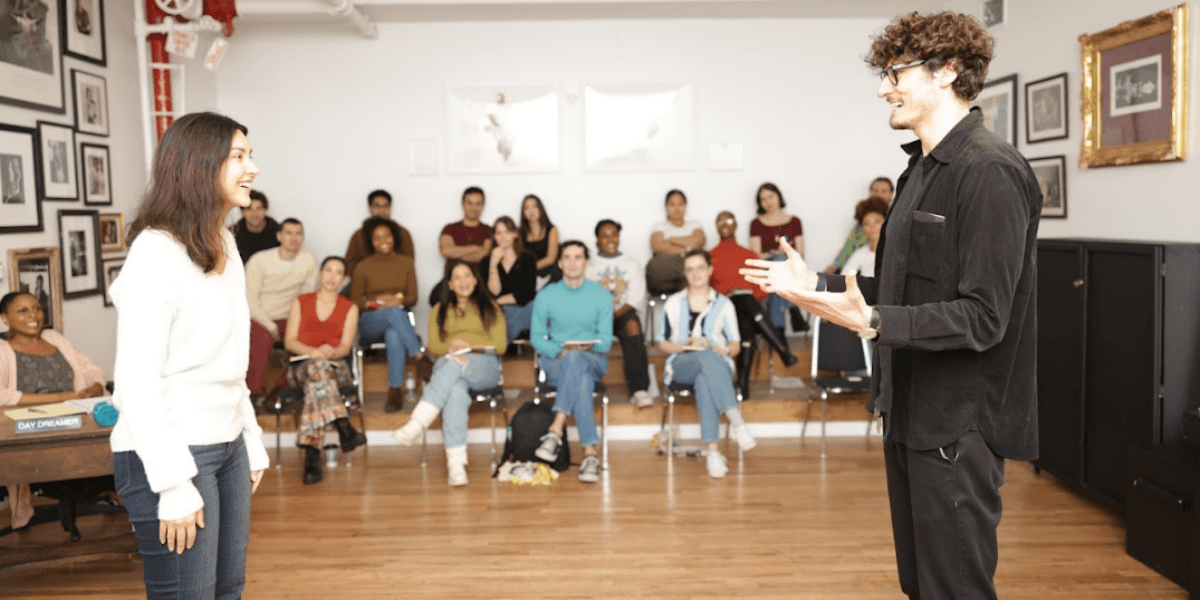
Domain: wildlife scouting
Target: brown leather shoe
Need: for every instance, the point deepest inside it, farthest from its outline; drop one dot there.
(424, 368)
(395, 400)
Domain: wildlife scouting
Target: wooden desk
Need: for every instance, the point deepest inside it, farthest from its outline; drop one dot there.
(54, 456)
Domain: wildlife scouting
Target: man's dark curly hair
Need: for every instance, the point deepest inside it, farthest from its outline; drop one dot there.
(939, 39)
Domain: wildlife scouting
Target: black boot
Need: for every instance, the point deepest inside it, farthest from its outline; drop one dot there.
(312, 465)
(775, 337)
(745, 362)
(349, 438)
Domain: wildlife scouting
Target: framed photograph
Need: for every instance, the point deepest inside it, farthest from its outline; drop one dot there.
(998, 101)
(502, 129)
(58, 161)
(83, 30)
(112, 268)
(112, 233)
(97, 176)
(20, 185)
(79, 246)
(91, 103)
(1051, 173)
(629, 127)
(1134, 100)
(1046, 109)
(36, 270)
(31, 71)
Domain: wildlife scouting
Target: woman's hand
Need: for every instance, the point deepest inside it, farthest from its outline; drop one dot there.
(93, 391)
(255, 479)
(180, 535)
(496, 255)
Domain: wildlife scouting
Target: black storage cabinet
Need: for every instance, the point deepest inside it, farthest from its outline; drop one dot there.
(1118, 355)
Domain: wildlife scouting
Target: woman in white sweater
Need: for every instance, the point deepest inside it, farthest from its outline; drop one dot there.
(187, 450)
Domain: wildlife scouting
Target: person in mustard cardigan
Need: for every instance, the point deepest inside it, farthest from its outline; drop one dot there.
(467, 329)
(38, 366)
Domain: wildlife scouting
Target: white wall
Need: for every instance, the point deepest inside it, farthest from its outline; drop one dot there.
(330, 116)
(1147, 201)
(87, 322)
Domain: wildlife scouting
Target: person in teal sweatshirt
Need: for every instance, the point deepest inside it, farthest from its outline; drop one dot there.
(572, 331)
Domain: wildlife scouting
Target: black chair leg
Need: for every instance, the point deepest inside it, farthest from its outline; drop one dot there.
(66, 516)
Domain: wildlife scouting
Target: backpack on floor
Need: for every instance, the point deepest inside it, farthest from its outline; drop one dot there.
(525, 432)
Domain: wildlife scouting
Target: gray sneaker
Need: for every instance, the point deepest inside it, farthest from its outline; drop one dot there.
(589, 469)
(642, 400)
(548, 450)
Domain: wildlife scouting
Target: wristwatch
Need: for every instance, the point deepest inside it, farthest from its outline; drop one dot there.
(871, 331)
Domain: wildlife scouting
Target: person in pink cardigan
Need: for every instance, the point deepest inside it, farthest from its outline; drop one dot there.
(22, 314)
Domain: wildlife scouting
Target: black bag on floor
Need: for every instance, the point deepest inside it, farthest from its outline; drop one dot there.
(525, 432)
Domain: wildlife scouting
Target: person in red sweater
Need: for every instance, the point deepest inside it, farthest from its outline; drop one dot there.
(727, 257)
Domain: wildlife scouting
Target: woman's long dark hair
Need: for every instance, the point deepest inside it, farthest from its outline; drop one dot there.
(185, 198)
(518, 239)
(543, 218)
(758, 196)
(479, 297)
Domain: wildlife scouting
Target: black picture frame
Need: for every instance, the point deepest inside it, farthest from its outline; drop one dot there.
(20, 180)
(36, 82)
(83, 31)
(999, 102)
(1046, 110)
(60, 180)
(79, 249)
(89, 94)
(1051, 172)
(95, 174)
(112, 268)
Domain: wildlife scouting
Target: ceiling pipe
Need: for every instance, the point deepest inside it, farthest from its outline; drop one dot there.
(343, 9)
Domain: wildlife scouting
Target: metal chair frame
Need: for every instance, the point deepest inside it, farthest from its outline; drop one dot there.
(835, 385)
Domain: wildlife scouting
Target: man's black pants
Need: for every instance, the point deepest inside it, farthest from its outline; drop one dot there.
(633, 347)
(945, 510)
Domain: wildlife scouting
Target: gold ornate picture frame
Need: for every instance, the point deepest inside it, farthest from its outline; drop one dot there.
(38, 271)
(1134, 99)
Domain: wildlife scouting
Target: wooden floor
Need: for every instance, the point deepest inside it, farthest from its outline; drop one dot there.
(789, 525)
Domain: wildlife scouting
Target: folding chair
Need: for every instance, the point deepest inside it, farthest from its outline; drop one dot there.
(836, 348)
(543, 390)
(352, 398)
(653, 300)
(683, 390)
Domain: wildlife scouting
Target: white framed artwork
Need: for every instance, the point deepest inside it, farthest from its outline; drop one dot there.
(639, 127)
(502, 129)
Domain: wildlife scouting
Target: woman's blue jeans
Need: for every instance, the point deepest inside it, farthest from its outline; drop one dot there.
(710, 376)
(517, 319)
(216, 566)
(450, 390)
(391, 324)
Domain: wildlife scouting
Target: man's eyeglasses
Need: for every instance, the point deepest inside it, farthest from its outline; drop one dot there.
(891, 73)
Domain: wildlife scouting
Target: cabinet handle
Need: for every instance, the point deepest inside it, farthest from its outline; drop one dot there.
(1078, 283)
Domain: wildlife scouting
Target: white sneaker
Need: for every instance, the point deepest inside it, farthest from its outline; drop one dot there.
(458, 475)
(408, 433)
(589, 469)
(744, 439)
(641, 399)
(716, 464)
(548, 450)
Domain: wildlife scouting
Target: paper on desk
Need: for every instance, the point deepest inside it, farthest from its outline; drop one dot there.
(88, 405)
(43, 411)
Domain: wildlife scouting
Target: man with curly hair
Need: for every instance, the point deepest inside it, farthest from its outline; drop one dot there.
(951, 309)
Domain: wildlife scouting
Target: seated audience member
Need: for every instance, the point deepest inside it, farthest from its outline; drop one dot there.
(870, 214)
(379, 204)
(669, 241)
(274, 278)
(541, 238)
(322, 326)
(698, 329)
(510, 275)
(727, 258)
(467, 329)
(469, 239)
(572, 331)
(39, 366)
(255, 231)
(882, 188)
(768, 232)
(622, 276)
(385, 288)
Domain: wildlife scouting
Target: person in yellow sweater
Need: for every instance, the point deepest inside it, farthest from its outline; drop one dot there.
(385, 289)
(467, 328)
